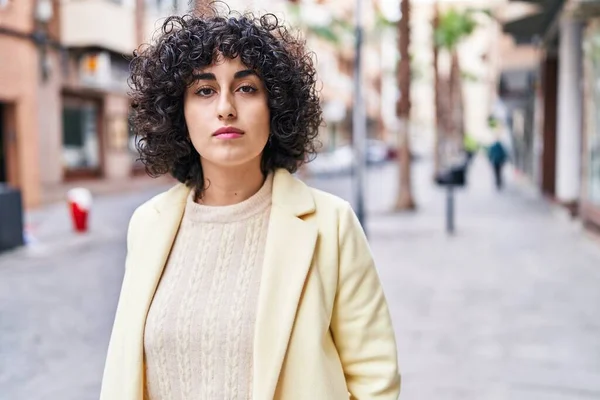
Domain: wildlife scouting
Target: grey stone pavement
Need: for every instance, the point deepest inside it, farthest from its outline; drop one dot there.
(507, 308)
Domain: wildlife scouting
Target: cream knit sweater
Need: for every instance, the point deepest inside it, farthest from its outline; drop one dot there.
(198, 338)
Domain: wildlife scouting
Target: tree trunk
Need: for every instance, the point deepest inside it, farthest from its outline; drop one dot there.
(445, 124)
(140, 9)
(404, 200)
(457, 98)
(448, 88)
(438, 126)
(452, 88)
(456, 115)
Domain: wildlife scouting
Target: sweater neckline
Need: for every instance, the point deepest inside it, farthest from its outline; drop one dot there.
(248, 208)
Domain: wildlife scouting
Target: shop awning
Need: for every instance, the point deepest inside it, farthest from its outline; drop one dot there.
(525, 30)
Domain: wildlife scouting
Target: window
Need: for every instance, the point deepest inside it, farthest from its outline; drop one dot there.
(592, 49)
(81, 149)
(166, 7)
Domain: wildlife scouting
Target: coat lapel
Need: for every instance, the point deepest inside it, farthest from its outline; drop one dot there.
(288, 256)
(145, 269)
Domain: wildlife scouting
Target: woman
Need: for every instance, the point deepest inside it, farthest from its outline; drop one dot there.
(241, 282)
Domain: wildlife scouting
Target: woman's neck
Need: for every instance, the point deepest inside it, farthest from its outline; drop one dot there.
(227, 186)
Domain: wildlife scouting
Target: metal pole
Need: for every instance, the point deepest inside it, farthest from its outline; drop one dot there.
(450, 208)
(359, 125)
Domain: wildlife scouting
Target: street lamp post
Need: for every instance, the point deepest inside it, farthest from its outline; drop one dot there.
(359, 126)
(43, 15)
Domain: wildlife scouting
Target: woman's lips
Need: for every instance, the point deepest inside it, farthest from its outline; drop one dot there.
(228, 132)
(228, 135)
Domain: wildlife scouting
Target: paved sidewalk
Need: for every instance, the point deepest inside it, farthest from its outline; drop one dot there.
(57, 302)
(507, 308)
(140, 182)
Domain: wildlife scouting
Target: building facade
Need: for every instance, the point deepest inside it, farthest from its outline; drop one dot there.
(565, 130)
(63, 92)
(64, 107)
(20, 116)
(590, 194)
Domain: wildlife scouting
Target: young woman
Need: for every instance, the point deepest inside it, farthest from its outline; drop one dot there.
(241, 282)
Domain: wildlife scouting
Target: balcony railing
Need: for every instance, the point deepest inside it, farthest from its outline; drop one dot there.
(107, 24)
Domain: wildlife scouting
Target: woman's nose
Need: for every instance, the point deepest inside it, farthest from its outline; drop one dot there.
(226, 107)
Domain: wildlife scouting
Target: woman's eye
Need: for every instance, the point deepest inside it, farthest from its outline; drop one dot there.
(247, 89)
(204, 92)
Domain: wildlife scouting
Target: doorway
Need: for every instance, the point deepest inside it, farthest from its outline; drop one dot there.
(550, 88)
(3, 150)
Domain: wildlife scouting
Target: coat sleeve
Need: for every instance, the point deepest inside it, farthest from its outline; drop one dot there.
(131, 234)
(361, 324)
(112, 380)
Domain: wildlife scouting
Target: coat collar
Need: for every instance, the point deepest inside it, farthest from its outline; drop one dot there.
(288, 254)
(289, 194)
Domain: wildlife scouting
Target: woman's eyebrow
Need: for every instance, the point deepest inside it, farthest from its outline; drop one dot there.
(209, 76)
(205, 76)
(244, 73)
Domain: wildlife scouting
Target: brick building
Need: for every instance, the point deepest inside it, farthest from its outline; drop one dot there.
(63, 92)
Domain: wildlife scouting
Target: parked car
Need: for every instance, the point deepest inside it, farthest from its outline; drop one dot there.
(341, 160)
(378, 152)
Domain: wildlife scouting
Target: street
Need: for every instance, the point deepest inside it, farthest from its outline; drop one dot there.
(507, 308)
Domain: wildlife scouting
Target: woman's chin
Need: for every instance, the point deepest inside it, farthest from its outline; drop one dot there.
(232, 160)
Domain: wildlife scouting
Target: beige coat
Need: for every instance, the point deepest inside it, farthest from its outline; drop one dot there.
(323, 328)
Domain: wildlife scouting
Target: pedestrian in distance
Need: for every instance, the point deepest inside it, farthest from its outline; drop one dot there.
(498, 157)
(496, 152)
(241, 282)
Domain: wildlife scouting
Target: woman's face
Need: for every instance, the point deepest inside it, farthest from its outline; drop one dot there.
(227, 114)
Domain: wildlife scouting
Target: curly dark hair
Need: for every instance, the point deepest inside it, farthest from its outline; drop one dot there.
(161, 73)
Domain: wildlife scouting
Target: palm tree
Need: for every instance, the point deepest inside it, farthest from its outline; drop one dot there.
(450, 29)
(437, 90)
(404, 200)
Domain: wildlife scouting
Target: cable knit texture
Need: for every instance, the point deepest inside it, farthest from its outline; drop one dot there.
(199, 332)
